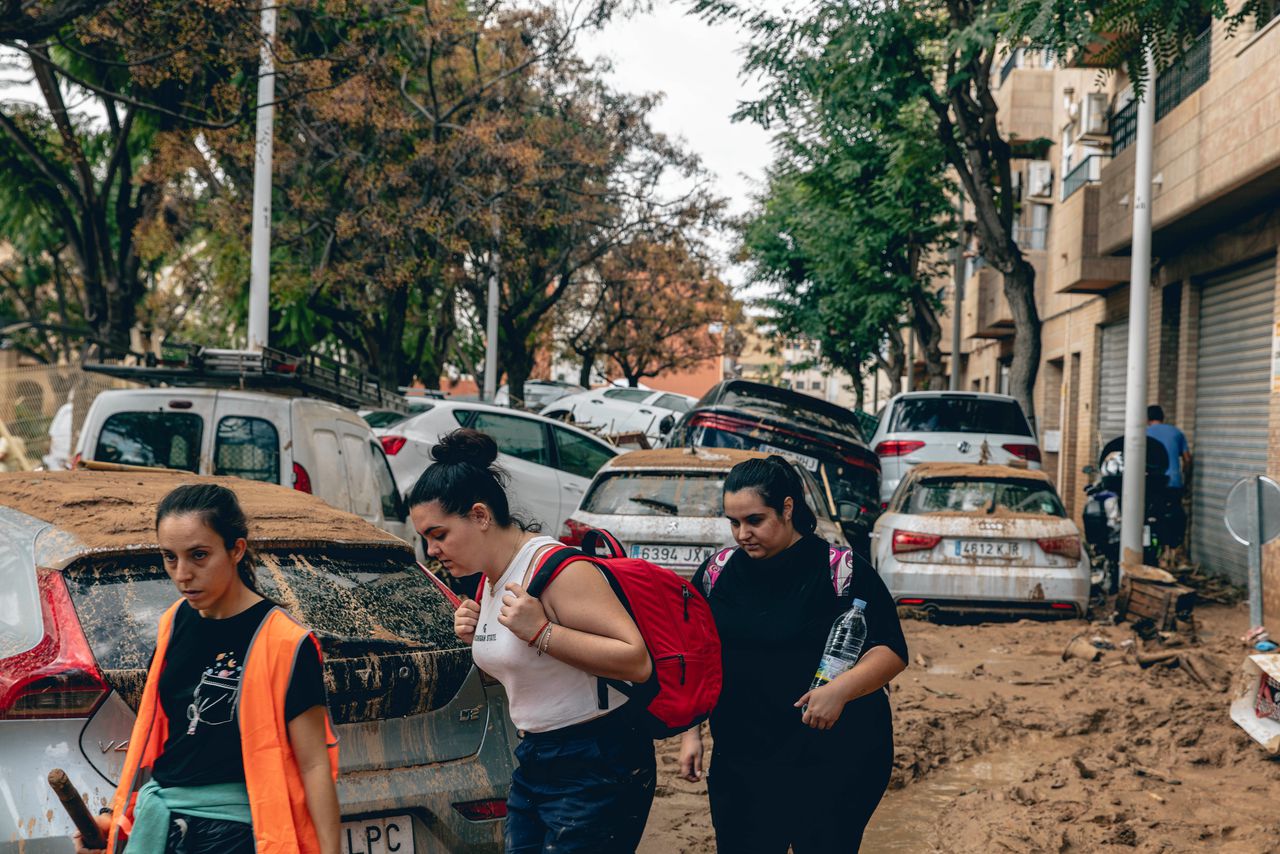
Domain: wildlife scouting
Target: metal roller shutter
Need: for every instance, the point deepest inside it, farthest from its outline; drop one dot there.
(1232, 405)
(1112, 376)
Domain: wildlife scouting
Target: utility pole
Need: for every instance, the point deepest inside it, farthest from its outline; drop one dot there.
(911, 358)
(957, 298)
(1133, 498)
(491, 320)
(260, 227)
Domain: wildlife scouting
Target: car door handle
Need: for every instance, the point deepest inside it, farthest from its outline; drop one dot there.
(646, 411)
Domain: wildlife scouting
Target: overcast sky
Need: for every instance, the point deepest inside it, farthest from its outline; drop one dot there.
(696, 66)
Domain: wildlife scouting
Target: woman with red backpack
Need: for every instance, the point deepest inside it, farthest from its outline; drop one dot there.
(792, 767)
(586, 772)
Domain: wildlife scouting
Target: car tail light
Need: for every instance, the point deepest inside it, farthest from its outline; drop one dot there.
(910, 601)
(898, 447)
(1030, 453)
(486, 810)
(1062, 606)
(573, 531)
(58, 677)
(910, 541)
(1066, 546)
(393, 444)
(869, 462)
(301, 480)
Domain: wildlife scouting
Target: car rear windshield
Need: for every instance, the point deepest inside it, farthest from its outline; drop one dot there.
(958, 415)
(971, 495)
(385, 417)
(802, 409)
(154, 439)
(657, 494)
(359, 603)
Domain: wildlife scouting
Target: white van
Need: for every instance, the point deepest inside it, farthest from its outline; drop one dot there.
(311, 445)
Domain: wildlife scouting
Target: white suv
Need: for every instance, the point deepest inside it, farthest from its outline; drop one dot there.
(950, 426)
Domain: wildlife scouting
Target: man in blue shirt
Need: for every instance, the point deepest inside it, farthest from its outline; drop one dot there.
(1175, 443)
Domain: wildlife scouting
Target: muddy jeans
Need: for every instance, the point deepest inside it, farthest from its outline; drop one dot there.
(584, 788)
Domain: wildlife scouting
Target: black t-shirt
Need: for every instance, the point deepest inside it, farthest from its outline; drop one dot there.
(200, 692)
(773, 615)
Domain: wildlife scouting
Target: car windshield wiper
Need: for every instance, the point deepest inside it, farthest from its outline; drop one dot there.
(657, 504)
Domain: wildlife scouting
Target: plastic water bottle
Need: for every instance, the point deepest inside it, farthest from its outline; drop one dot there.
(844, 644)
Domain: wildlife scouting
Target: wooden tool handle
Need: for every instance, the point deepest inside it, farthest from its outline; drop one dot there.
(74, 805)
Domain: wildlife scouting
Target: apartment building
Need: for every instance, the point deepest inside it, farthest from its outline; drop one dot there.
(1214, 339)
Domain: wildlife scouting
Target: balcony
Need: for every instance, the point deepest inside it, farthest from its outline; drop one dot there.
(1087, 171)
(1173, 86)
(1078, 266)
(1030, 237)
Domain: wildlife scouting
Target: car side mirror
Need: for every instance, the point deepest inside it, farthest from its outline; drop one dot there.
(1089, 470)
(664, 426)
(848, 511)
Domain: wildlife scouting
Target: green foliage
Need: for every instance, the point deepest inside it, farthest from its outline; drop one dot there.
(1113, 33)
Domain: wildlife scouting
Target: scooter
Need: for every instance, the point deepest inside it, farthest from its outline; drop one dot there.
(1164, 523)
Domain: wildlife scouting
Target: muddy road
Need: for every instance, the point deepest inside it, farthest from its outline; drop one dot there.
(1003, 746)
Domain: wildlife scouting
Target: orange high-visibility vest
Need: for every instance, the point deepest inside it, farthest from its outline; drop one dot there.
(277, 801)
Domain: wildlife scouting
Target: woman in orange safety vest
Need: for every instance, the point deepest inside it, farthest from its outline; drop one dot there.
(233, 730)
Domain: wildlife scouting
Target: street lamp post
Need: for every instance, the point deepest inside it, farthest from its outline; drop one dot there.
(1133, 498)
(260, 228)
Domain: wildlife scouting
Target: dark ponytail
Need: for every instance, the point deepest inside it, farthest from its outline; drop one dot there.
(776, 479)
(219, 509)
(464, 475)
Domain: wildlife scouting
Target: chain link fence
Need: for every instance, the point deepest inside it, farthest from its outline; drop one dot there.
(30, 398)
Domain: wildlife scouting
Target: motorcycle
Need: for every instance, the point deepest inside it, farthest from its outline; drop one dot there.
(1164, 523)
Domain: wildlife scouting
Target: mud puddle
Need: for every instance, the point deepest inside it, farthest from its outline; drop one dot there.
(907, 819)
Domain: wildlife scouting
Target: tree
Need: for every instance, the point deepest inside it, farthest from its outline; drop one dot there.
(114, 79)
(659, 302)
(852, 230)
(876, 56)
(589, 174)
(1116, 34)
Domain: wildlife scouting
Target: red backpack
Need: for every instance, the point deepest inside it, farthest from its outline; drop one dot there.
(676, 624)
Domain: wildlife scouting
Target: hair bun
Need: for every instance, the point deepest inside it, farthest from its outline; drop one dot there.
(465, 445)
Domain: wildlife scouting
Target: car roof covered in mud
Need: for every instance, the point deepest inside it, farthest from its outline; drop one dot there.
(976, 471)
(713, 459)
(115, 511)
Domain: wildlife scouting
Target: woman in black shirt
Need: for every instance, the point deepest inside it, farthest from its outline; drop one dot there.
(792, 767)
(209, 679)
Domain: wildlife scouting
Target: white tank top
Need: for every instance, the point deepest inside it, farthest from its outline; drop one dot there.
(544, 694)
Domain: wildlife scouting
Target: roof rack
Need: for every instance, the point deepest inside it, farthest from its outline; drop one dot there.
(266, 370)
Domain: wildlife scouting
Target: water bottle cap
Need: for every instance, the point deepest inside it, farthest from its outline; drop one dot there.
(859, 603)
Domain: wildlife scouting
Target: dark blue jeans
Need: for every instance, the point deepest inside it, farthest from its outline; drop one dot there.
(584, 788)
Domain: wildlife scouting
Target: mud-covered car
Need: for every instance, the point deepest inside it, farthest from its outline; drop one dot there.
(425, 743)
(666, 505)
(981, 538)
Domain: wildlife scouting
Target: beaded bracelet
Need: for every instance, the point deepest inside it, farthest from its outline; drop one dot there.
(533, 640)
(546, 640)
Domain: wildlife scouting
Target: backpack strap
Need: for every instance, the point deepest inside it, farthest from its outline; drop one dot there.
(592, 540)
(839, 557)
(715, 566)
(480, 590)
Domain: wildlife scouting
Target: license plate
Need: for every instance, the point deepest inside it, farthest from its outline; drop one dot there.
(987, 548)
(392, 834)
(803, 459)
(671, 555)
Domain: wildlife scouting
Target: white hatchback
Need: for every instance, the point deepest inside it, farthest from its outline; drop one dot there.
(622, 410)
(981, 538)
(665, 505)
(550, 464)
(948, 426)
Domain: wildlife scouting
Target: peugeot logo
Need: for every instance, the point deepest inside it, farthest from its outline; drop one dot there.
(964, 447)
